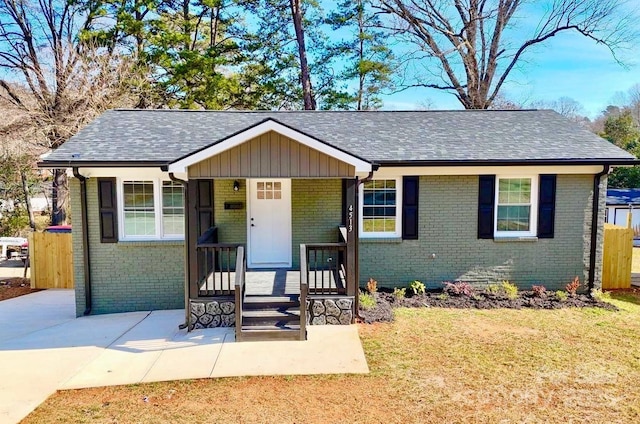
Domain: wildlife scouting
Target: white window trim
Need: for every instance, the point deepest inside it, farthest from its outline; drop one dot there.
(398, 232)
(533, 219)
(157, 207)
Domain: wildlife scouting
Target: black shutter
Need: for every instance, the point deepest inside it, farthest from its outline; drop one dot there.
(486, 200)
(546, 206)
(410, 189)
(204, 205)
(108, 210)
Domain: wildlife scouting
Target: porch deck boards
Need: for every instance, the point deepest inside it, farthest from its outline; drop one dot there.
(274, 282)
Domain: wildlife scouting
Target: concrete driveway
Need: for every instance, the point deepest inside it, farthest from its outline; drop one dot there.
(43, 348)
(12, 268)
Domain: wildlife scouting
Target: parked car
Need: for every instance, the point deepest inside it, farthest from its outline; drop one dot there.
(24, 249)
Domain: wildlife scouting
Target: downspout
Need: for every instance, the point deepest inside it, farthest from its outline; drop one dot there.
(184, 183)
(374, 167)
(594, 225)
(85, 240)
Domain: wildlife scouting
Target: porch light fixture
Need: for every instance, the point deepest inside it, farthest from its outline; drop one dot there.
(236, 185)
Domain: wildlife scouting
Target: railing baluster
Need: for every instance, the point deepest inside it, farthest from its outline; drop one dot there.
(322, 262)
(228, 270)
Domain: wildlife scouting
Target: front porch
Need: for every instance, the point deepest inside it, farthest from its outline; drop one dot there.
(271, 225)
(271, 304)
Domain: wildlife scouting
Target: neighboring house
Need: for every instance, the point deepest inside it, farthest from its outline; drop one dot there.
(619, 202)
(478, 196)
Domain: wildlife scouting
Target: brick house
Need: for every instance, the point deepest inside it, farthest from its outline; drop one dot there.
(235, 215)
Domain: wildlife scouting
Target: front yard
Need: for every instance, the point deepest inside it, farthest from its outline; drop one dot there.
(431, 365)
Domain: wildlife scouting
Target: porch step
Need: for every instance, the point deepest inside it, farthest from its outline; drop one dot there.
(270, 332)
(270, 302)
(270, 316)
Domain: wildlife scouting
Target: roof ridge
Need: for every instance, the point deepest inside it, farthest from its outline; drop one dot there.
(327, 111)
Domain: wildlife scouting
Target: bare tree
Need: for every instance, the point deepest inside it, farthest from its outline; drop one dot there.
(297, 15)
(59, 80)
(475, 44)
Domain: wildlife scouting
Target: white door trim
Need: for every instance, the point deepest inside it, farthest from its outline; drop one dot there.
(285, 238)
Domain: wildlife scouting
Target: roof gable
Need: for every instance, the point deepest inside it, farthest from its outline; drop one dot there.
(271, 155)
(268, 125)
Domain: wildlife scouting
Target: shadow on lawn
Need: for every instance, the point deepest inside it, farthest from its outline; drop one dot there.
(627, 295)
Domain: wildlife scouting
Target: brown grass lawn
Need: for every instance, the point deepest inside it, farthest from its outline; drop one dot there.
(430, 366)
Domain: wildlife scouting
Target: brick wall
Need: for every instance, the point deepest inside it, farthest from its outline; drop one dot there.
(316, 211)
(448, 229)
(231, 223)
(126, 276)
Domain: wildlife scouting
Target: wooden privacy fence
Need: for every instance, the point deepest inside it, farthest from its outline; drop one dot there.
(617, 257)
(51, 260)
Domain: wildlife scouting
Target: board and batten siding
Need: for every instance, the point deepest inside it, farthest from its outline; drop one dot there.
(271, 155)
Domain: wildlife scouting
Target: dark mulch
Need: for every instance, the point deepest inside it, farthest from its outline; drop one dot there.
(385, 302)
(14, 287)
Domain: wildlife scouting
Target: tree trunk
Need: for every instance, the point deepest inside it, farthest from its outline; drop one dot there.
(307, 90)
(27, 199)
(59, 198)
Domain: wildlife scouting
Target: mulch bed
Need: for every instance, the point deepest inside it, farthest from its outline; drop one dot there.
(386, 301)
(14, 287)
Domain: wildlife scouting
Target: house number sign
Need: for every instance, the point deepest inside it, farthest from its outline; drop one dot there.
(350, 223)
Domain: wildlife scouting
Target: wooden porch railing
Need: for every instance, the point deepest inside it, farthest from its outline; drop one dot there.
(324, 267)
(241, 270)
(304, 291)
(217, 263)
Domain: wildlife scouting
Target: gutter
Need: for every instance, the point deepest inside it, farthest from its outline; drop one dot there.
(374, 168)
(497, 162)
(85, 240)
(184, 183)
(594, 224)
(100, 164)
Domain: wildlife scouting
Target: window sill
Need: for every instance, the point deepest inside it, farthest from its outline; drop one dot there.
(137, 243)
(381, 240)
(509, 239)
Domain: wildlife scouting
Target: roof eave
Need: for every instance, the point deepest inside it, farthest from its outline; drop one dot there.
(53, 164)
(508, 162)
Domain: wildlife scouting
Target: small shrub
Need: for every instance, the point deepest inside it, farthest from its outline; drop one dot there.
(367, 301)
(458, 289)
(561, 295)
(417, 287)
(443, 296)
(600, 295)
(477, 298)
(510, 290)
(493, 289)
(573, 286)
(372, 286)
(539, 291)
(399, 293)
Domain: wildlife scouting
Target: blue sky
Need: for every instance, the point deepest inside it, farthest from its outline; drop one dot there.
(568, 65)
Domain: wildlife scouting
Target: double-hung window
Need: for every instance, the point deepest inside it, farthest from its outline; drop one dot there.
(380, 212)
(516, 206)
(151, 209)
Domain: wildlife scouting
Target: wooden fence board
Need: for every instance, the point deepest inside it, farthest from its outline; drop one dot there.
(617, 257)
(51, 260)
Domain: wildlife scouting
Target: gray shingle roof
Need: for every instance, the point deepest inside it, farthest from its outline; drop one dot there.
(166, 135)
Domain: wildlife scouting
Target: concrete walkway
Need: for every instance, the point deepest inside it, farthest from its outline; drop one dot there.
(43, 347)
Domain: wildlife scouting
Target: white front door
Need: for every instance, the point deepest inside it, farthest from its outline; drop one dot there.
(269, 223)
